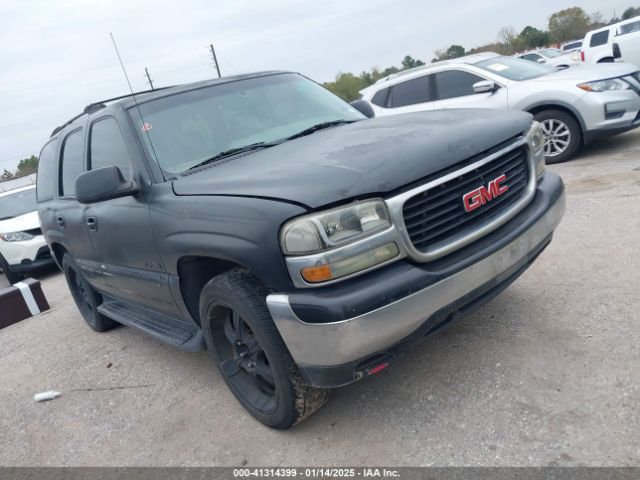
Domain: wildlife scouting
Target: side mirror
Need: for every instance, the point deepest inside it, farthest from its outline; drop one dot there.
(541, 60)
(363, 107)
(616, 51)
(103, 184)
(484, 86)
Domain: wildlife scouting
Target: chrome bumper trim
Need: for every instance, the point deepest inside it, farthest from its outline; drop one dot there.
(330, 344)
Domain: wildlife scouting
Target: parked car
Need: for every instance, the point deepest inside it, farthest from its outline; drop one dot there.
(626, 44)
(573, 46)
(303, 243)
(575, 106)
(552, 57)
(22, 246)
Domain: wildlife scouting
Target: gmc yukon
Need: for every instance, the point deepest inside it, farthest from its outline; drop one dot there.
(304, 244)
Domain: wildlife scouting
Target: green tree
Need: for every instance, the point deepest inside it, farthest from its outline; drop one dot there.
(569, 24)
(27, 166)
(346, 85)
(630, 13)
(410, 62)
(530, 37)
(454, 51)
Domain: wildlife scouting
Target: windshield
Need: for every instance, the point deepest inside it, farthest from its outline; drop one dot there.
(514, 68)
(188, 128)
(18, 203)
(551, 52)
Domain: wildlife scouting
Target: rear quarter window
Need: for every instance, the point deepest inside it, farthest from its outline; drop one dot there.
(45, 184)
(380, 98)
(600, 38)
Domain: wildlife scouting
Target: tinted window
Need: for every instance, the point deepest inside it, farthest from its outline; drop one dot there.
(600, 38)
(380, 98)
(410, 92)
(19, 203)
(532, 57)
(629, 28)
(46, 172)
(108, 147)
(571, 46)
(455, 83)
(72, 163)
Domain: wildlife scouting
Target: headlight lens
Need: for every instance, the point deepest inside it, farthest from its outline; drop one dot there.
(535, 137)
(16, 236)
(325, 230)
(604, 85)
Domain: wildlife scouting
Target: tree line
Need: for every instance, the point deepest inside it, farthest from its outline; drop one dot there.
(563, 26)
(26, 166)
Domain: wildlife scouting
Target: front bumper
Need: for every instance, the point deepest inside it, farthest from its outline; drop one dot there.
(609, 113)
(333, 353)
(26, 255)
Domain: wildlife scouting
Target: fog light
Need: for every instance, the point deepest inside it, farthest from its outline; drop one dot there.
(347, 266)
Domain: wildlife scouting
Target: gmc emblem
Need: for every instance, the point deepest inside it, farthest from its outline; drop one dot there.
(481, 195)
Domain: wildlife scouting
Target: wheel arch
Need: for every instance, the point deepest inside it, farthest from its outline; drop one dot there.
(194, 271)
(539, 107)
(58, 251)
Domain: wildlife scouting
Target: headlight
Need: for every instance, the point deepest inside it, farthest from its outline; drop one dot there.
(16, 236)
(535, 138)
(604, 85)
(334, 228)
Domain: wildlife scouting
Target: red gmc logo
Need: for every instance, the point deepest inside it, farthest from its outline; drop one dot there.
(481, 195)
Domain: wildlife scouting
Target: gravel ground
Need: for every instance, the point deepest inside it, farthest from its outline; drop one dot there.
(546, 374)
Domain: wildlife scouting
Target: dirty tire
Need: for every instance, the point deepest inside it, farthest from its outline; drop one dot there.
(12, 277)
(86, 298)
(573, 126)
(236, 298)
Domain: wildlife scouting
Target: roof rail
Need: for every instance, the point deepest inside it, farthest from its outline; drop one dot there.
(95, 106)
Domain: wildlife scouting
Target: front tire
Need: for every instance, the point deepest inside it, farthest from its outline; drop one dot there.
(562, 135)
(86, 298)
(245, 345)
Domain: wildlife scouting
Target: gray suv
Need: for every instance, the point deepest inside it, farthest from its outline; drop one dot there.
(575, 106)
(305, 245)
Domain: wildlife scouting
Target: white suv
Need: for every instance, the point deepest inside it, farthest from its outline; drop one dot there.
(598, 45)
(574, 106)
(22, 246)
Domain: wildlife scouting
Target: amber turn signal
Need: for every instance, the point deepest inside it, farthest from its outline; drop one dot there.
(320, 273)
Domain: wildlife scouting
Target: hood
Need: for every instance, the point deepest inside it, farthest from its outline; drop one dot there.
(369, 157)
(28, 221)
(588, 73)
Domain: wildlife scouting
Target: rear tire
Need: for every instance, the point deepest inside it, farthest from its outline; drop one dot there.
(245, 345)
(563, 135)
(12, 277)
(86, 298)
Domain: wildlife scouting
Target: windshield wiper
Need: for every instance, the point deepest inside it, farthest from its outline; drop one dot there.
(231, 152)
(319, 126)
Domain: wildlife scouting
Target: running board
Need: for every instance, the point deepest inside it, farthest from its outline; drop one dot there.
(169, 330)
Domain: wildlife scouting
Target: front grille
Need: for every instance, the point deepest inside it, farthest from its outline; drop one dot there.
(438, 214)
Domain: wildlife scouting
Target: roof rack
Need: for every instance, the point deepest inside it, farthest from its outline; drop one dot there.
(95, 106)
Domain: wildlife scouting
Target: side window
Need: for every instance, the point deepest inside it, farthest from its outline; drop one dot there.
(71, 163)
(532, 57)
(629, 28)
(107, 147)
(455, 83)
(46, 179)
(410, 92)
(600, 38)
(380, 98)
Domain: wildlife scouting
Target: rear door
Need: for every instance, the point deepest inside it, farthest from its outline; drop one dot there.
(68, 215)
(454, 89)
(120, 229)
(412, 95)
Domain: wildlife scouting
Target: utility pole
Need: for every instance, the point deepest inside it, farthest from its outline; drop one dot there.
(215, 60)
(149, 78)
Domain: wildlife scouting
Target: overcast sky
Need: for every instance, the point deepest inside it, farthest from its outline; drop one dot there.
(56, 55)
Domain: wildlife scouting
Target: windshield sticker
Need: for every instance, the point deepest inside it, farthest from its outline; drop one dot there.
(498, 67)
(146, 127)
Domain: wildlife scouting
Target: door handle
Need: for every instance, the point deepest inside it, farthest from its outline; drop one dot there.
(92, 224)
(60, 222)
